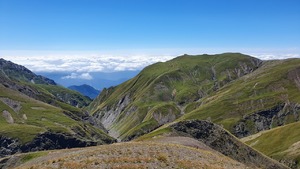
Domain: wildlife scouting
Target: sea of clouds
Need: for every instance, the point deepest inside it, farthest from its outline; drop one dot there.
(80, 66)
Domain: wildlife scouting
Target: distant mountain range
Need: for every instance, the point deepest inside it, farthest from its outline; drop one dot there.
(86, 90)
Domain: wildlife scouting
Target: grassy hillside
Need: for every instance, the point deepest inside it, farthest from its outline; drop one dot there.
(24, 119)
(266, 98)
(214, 137)
(159, 94)
(189, 144)
(19, 78)
(37, 114)
(280, 143)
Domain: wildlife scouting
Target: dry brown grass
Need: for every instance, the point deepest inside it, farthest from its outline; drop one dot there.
(134, 155)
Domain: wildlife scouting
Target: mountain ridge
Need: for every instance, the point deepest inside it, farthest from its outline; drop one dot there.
(160, 87)
(85, 90)
(42, 115)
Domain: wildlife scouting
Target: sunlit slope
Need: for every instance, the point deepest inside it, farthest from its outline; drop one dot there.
(265, 98)
(159, 93)
(281, 143)
(29, 125)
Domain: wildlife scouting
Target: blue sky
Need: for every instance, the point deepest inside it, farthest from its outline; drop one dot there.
(39, 33)
(148, 24)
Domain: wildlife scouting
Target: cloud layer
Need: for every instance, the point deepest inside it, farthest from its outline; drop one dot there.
(85, 64)
(81, 65)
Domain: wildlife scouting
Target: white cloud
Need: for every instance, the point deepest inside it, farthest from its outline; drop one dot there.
(269, 56)
(83, 63)
(85, 76)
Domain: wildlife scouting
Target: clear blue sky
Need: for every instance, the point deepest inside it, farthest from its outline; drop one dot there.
(92, 25)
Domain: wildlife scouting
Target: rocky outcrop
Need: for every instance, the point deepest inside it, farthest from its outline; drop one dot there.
(7, 116)
(109, 114)
(15, 105)
(46, 141)
(219, 139)
(279, 115)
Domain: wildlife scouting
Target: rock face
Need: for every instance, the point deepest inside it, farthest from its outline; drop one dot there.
(15, 105)
(108, 116)
(264, 120)
(45, 141)
(219, 139)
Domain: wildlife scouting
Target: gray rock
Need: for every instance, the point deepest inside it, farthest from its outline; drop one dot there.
(219, 139)
(7, 117)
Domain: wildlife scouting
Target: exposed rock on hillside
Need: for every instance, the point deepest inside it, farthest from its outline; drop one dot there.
(46, 141)
(222, 141)
(15, 105)
(7, 116)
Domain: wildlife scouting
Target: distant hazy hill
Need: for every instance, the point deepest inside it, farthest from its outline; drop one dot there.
(86, 90)
(100, 80)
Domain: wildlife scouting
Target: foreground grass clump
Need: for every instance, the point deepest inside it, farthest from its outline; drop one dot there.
(30, 156)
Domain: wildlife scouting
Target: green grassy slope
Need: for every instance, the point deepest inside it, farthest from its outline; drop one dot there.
(35, 117)
(275, 83)
(281, 143)
(161, 91)
(213, 136)
(37, 114)
(19, 78)
(250, 101)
